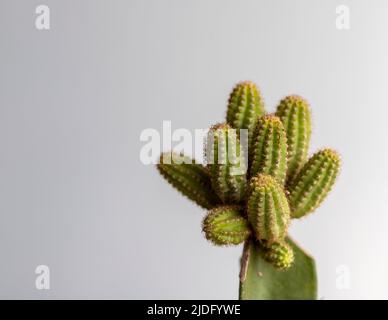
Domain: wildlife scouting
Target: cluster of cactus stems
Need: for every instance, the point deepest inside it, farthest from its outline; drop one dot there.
(254, 193)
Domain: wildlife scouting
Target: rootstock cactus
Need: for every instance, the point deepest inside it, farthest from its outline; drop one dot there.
(253, 193)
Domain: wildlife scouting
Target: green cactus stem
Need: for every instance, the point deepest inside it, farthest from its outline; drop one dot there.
(268, 152)
(268, 210)
(314, 182)
(280, 254)
(225, 225)
(192, 180)
(245, 106)
(261, 280)
(294, 112)
(226, 163)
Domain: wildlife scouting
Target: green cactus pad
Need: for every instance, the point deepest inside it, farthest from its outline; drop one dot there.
(245, 106)
(268, 209)
(226, 163)
(313, 183)
(260, 280)
(225, 225)
(294, 113)
(192, 180)
(268, 151)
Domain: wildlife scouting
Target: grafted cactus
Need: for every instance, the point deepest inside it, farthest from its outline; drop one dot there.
(255, 207)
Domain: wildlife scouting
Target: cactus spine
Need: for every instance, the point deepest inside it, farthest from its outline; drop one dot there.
(314, 182)
(225, 225)
(268, 152)
(268, 210)
(294, 112)
(192, 180)
(245, 106)
(226, 163)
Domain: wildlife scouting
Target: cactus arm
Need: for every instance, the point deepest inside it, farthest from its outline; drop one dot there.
(280, 254)
(192, 180)
(245, 106)
(268, 209)
(313, 183)
(226, 163)
(294, 112)
(225, 225)
(268, 152)
(260, 280)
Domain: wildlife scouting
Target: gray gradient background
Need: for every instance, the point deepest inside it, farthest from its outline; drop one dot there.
(73, 101)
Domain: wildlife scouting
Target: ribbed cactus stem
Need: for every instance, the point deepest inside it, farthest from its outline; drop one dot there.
(225, 225)
(268, 209)
(192, 180)
(245, 105)
(268, 152)
(226, 163)
(314, 182)
(294, 112)
(280, 254)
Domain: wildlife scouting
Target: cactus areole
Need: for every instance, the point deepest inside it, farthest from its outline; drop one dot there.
(255, 205)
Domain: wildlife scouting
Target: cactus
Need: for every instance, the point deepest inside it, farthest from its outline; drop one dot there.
(268, 152)
(192, 180)
(294, 112)
(245, 105)
(225, 225)
(226, 163)
(268, 209)
(256, 207)
(280, 254)
(314, 182)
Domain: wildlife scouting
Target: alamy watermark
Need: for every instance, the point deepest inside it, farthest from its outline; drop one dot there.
(342, 21)
(42, 20)
(188, 147)
(342, 280)
(42, 281)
